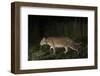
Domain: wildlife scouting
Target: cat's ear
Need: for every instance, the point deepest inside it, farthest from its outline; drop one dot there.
(44, 38)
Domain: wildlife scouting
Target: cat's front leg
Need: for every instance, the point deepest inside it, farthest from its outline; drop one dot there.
(66, 50)
(54, 51)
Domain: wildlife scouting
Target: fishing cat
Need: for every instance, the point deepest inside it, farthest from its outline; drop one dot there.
(60, 42)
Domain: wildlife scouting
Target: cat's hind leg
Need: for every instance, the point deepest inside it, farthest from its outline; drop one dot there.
(54, 50)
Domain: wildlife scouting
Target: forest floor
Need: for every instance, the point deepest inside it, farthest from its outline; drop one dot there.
(44, 53)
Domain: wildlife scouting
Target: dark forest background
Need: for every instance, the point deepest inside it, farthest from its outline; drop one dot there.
(40, 26)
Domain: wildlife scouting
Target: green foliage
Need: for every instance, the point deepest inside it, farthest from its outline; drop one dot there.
(44, 53)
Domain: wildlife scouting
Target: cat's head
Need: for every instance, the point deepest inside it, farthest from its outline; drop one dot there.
(43, 41)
